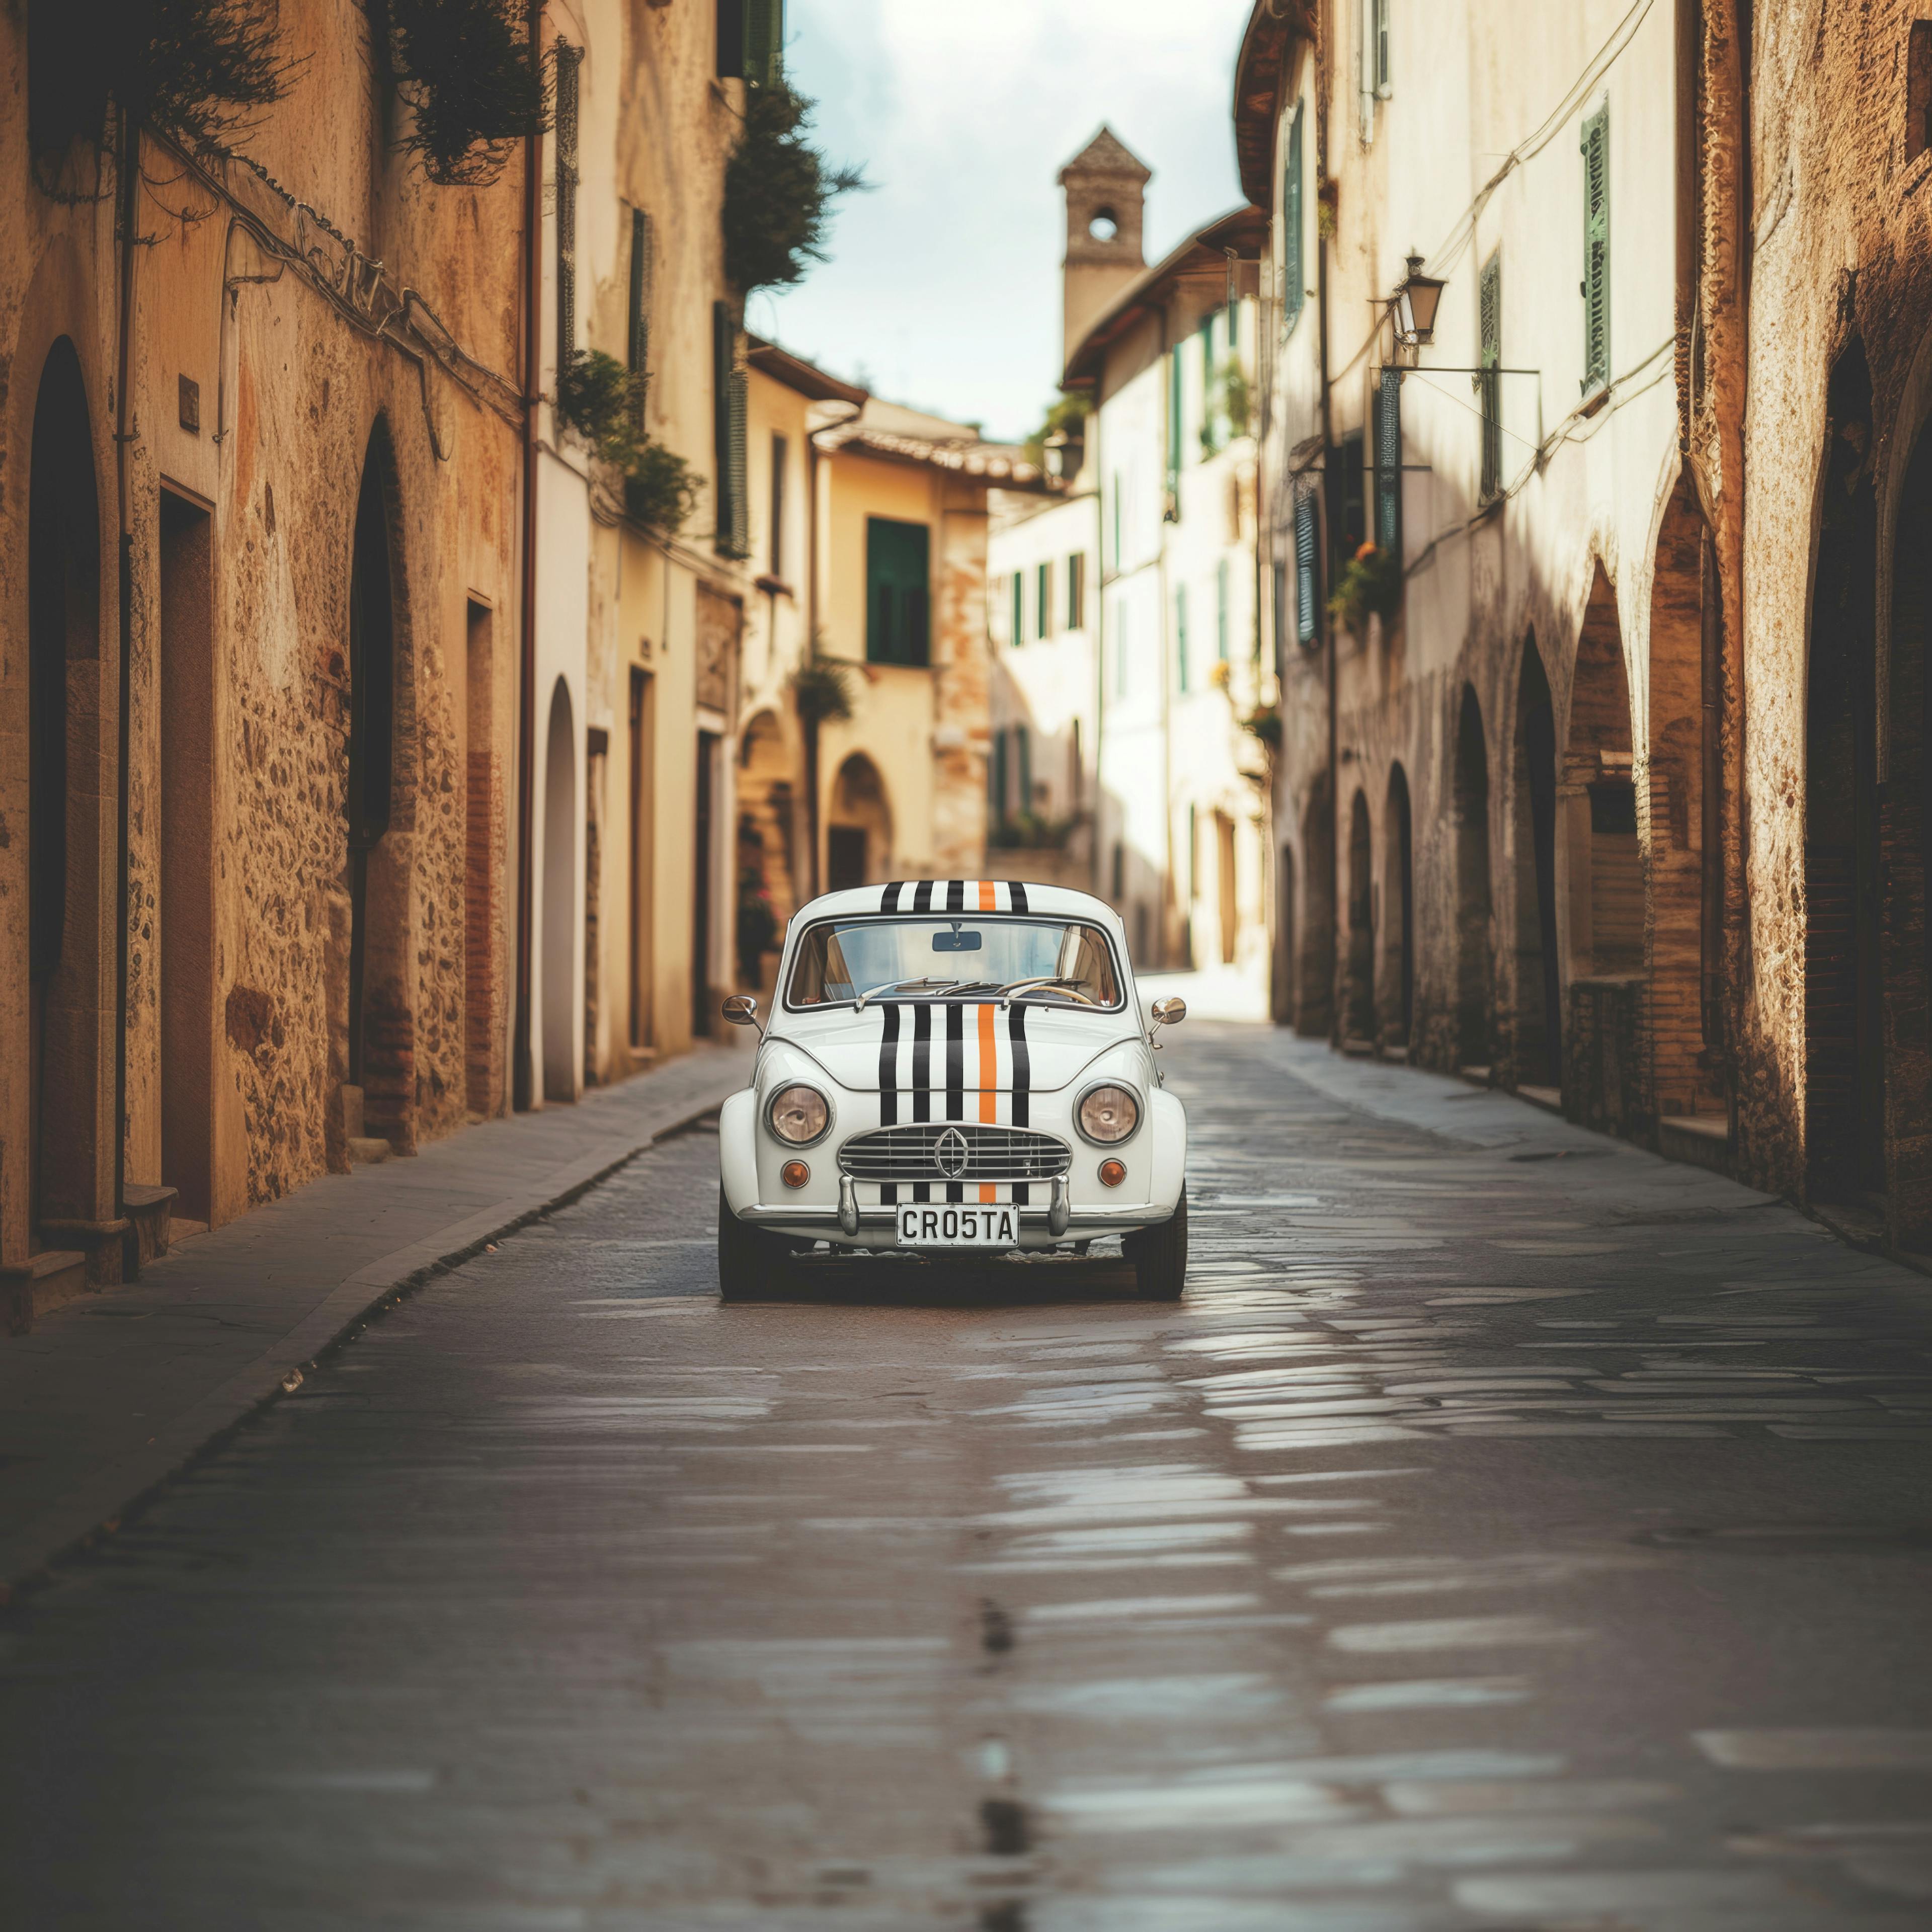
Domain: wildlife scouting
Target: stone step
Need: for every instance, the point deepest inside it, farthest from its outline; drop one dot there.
(366, 1150)
(151, 1210)
(40, 1282)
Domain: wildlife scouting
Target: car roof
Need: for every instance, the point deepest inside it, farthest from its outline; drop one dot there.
(970, 896)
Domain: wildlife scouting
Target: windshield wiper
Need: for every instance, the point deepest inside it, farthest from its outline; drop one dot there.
(1015, 989)
(893, 985)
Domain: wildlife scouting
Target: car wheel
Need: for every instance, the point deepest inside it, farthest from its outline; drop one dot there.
(1159, 1254)
(750, 1262)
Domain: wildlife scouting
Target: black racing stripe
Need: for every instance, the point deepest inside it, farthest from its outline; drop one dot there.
(889, 1194)
(922, 1063)
(955, 1060)
(922, 1191)
(888, 1068)
(1022, 1193)
(1016, 1015)
(888, 900)
(922, 896)
(955, 895)
(955, 1190)
(1018, 891)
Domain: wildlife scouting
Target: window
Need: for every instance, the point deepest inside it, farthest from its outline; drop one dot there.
(731, 535)
(1016, 622)
(1489, 320)
(751, 40)
(1348, 507)
(1221, 610)
(1023, 768)
(568, 60)
(996, 778)
(1596, 285)
(1180, 635)
(1211, 436)
(1307, 573)
(1043, 603)
(1278, 581)
(1388, 463)
(774, 554)
(1293, 266)
(1919, 90)
(1076, 590)
(897, 575)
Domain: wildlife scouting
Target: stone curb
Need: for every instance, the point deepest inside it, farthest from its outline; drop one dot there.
(100, 1504)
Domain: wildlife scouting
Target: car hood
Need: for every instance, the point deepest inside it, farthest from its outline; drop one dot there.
(1027, 1046)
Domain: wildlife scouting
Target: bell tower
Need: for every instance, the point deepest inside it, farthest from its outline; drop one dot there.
(1104, 187)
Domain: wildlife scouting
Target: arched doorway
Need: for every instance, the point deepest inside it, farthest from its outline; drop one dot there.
(1398, 949)
(67, 1014)
(765, 866)
(1539, 985)
(559, 899)
(1314, 1009)
(1285, 960)
(859, 827)
(1358, 1021)
(1844, 1053)
(1471, 816)
(1680, 857)
(1907, 833)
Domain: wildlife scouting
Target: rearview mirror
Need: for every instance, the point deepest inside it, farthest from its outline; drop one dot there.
(741, 1009)
(1169, 1011)
(957, 942)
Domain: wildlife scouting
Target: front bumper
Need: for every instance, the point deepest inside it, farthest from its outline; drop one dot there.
(878, 1227)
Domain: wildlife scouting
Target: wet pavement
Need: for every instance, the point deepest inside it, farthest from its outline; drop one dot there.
(1509, 1530)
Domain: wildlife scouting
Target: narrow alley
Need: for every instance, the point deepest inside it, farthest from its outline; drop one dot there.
(1510, 1529)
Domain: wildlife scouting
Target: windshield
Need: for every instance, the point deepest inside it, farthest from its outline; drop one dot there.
(939, 959)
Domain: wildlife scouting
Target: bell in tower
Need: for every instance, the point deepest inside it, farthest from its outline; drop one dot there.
(1104, 187)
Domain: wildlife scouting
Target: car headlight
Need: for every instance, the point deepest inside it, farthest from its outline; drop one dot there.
(1107, 1114)
(798, 1115)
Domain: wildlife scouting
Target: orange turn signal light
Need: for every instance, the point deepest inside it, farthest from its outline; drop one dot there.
(794, 1173)
(1112, 1173)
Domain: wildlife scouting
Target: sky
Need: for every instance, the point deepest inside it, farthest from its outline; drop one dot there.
(943, 289)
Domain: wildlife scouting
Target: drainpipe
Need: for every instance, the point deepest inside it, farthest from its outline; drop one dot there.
(520, 1081)
(129, 174)
(1328, 623)
(810, 724)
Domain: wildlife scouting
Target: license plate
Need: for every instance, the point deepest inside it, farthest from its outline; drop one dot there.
(949, 1225)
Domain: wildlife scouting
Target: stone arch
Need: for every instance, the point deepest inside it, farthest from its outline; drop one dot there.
(69, 969)
(1539, 996)
(1844, 1051)
(1470, 816)
(1682, 876)
(379, 813)
(1397, 1000)
(559, 899)
(859, 826)
(1906, 820)
(1315, 1008)
(767, 866)
(1358, 1013)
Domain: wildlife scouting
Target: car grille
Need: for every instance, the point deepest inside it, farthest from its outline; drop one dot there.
(992, 1153)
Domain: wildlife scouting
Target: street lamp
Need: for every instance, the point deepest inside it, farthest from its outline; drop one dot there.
(1415, 305)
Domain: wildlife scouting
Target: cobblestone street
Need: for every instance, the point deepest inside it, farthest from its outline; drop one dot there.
(1509, 1529)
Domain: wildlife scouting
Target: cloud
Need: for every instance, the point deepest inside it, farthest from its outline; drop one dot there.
(943, 289)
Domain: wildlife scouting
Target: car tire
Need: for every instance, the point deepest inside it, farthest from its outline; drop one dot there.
(1159, 1254)
(750, 1262)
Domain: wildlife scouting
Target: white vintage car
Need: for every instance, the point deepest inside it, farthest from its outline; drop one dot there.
(957, 1067)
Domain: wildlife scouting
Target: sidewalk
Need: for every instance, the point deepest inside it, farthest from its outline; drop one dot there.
(111, 1393)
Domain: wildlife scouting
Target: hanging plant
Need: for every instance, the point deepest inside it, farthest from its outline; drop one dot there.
(604, 402)
(464, 67)
(778, 192)
(822, 690)
(1371, 584)
(199, 69)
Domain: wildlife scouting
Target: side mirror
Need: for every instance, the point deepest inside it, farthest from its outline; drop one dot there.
(741, 1009)
(1169, 1011)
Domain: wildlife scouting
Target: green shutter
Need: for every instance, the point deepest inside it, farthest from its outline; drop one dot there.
(736, 474)
(1490, 319)
(764, 40)
(1180, 634)
(640, 340)
(996, 777)
(1174, 414)
(1307, 587)
(722, 344)
(1018, 631)
(1045, 600)
(1076, 590)
(1596, 146)
(1210, 441)
(1294, 269)
(1388, 462)
(1221, 610)
(1023, 758)
(897, 572)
